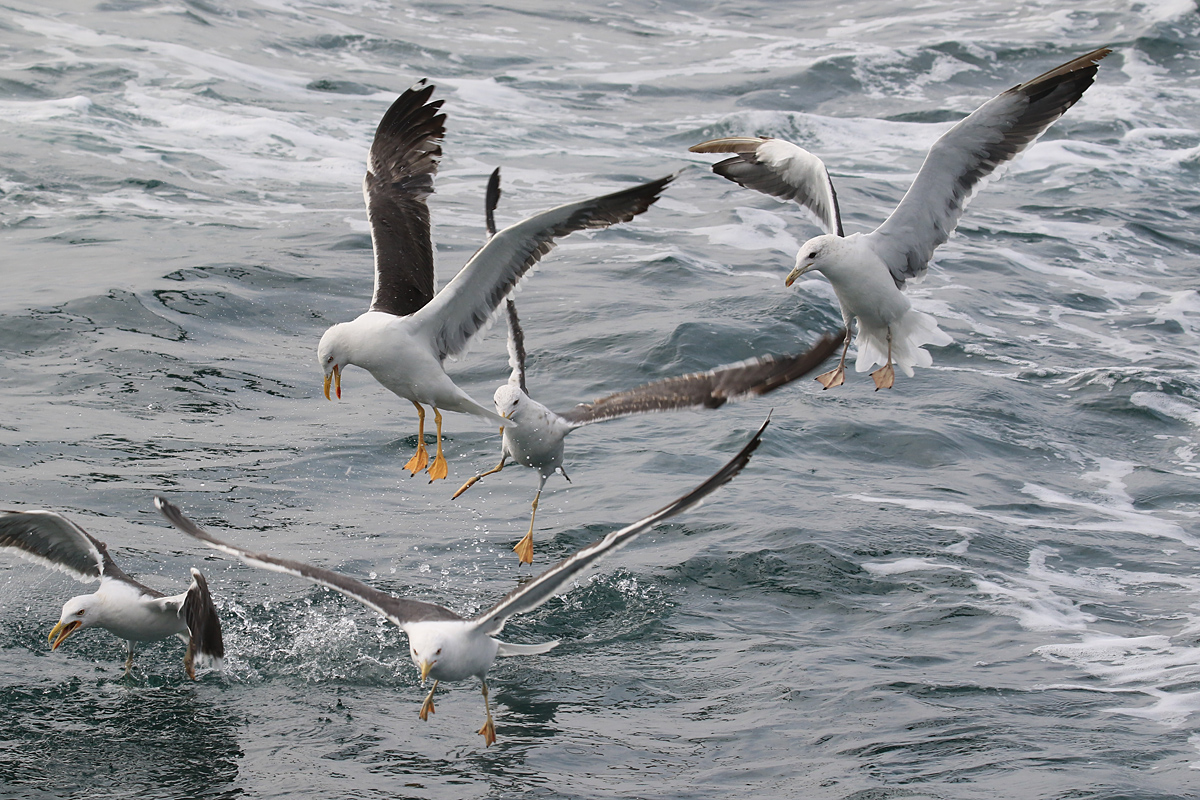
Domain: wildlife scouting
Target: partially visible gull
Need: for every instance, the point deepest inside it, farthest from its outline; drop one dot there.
(408, 332)
(537, 440)
(442, 644)
(539, 437)
(126, 608)
(868, 271)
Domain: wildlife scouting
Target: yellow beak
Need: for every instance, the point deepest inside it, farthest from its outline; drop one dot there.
(62, 632)
(795, 273)
(336, 377)
(426, 667)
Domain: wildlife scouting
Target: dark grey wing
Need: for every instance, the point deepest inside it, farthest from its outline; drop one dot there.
(710, 389)
(204, 626)
(530, 595)
(465, 304)
(992, 135)
(54, 541)
(400, 169)
(398, 610)
(516, 346)
(780, 169)
(491, 199)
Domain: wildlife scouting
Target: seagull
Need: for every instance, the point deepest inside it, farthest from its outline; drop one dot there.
(539, 436)
(442, 644)
(868, 271)
(537, 439)
(408, 332)
(121, 605)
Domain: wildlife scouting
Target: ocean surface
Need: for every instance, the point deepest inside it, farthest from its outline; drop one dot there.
(983, 583)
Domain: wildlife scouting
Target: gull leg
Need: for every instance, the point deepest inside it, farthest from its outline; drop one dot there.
(488, 731)
(524, 548)
(129, 660)
(438, 469)
(472, 481)
(421, 457)
(189, 659)
(427, 706)
(837, 375)
(885, 376)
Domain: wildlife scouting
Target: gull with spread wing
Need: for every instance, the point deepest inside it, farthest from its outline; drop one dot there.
(868, 271)
(442, 644)
(408, 332)
(121, 605)
(537, 440)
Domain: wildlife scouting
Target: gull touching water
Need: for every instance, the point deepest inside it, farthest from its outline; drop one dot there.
(868, 271)
(121, 605)
(408, 332)
(442, 644)
(539, 436)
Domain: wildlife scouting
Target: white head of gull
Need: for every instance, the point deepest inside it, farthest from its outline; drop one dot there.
(408, 332)
(122, 606)
(443, 645)
(868, 271)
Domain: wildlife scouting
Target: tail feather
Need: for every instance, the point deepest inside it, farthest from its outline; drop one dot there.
(507, 649)
(909, 335)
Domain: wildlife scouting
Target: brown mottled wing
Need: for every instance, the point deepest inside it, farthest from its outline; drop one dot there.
(400, 170)
(992, 135)
(398, 610)
(710, 389)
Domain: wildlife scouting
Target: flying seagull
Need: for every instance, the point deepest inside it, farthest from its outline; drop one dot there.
(537, 440)
(442, 644)
(408, 332)
(868, 271)
(121, 605)
(539, 436)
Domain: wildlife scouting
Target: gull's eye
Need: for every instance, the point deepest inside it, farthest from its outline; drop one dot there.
(79, 613)
(439, 652)
(813, 254)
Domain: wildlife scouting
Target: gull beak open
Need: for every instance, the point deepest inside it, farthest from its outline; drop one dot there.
(796, 273)
(426, 667)
(62, 632)
(336, 377)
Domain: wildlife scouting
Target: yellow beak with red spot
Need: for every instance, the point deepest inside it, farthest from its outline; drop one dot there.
(426, 668)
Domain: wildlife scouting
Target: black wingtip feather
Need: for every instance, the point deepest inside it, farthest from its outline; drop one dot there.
(204, 626)
(491, 199)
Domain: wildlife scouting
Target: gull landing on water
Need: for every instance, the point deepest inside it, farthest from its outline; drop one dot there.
(443, 645)
(408, 332)
(868, 271)
(121, 605)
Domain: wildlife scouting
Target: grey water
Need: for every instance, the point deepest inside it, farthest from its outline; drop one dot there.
(982, 583)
